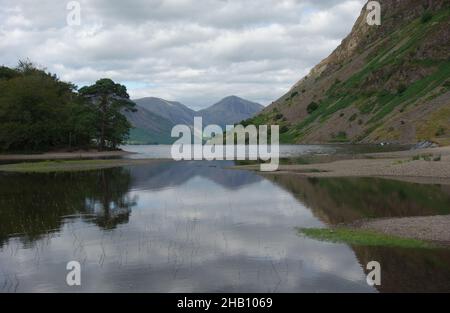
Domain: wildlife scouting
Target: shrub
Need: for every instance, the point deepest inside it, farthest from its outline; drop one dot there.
(425, 157)
(284, 129)
(340, 137)
(312, 107)
(426, 17)
(279, 116)
(401, 89)
(440, 131)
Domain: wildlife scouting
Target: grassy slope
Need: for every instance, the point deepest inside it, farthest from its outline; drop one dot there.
(375, 106)
(362, 238)
(142, 136)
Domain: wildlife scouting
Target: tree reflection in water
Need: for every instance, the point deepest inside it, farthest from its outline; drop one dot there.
(34, 205)
(213, 221)
(343, 200)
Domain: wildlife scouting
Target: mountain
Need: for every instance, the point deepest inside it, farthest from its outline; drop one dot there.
(149, 128)
(155, 117)
(229, 111)
(174, 112)
(387, 83)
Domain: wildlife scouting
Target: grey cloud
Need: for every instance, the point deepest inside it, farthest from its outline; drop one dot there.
(185, 50)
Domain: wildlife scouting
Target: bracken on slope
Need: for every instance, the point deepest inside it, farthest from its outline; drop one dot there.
(387, 83)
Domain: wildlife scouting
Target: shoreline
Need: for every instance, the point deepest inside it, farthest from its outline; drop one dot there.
(64, 155)
(414, 166)
(431, 166)
(427, 228)
(400, 165)
(73, 165)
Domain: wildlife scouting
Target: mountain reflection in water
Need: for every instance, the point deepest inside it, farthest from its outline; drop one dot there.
(199, 227)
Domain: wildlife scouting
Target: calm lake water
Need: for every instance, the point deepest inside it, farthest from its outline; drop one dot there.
(199, 227)
(286, 151)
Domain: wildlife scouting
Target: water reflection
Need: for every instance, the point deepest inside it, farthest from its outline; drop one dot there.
(409, 270)
(32, 205)
(343, 200)
(174, 174)
(195, 227)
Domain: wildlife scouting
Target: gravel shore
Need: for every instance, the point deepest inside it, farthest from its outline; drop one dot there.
(429, 228)
(428, 166)
(403, 165)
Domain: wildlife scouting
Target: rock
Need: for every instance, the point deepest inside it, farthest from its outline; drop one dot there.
(424, 145)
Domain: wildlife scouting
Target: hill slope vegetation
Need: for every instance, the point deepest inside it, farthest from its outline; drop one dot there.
(155, 117)
(387, 83)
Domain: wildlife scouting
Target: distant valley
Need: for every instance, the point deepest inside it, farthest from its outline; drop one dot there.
(155, 117)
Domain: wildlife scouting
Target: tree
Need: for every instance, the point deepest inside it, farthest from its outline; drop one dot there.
(7, 73)
(39, 112)
(312, 107)
(109, 100)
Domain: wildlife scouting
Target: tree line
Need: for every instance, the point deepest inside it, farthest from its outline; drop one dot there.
(39, 112)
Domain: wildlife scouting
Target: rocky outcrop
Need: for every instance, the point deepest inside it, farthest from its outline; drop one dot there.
(380, 85)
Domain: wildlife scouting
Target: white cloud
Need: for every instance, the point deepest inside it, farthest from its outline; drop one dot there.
(179, 49)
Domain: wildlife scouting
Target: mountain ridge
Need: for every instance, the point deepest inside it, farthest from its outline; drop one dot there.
(229, 110)
(155, 117)
(387, 83)
(173, 111)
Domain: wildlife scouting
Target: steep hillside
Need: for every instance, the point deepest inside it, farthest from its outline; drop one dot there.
(174, 112)
(388, 83)
(229, 111)
(155, 117)
(149, 128)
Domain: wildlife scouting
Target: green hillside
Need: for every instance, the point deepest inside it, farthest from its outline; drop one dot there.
(388, 83)
(140, 136)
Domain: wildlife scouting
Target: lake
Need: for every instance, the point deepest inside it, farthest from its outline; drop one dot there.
(201, 227)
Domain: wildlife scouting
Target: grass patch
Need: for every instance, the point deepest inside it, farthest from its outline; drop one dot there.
(426, 17)
(340, 137)
(310, 170)
(362, 238)
(295, 160)
(427, 157)
(436, 125)
(62, 166)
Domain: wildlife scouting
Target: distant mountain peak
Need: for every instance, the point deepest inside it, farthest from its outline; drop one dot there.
(175, 112)
(228, 111)
(233, 97)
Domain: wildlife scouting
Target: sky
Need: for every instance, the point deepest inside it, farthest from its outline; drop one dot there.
(193, 51)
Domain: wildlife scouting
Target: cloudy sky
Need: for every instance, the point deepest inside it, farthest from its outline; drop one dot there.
(192, 51)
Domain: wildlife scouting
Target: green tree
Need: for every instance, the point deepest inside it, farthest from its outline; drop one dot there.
(7, 73)
(109, 100)
(39, 112)
(312, 107)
